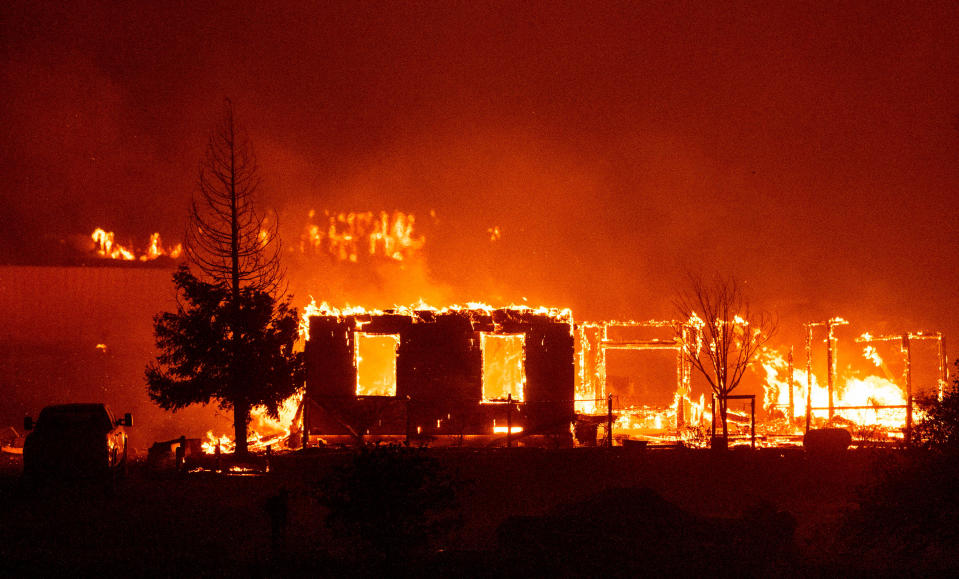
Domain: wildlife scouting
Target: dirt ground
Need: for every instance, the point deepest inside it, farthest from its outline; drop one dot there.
(216, 524)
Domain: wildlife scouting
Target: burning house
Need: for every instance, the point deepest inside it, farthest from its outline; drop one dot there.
(426, 374)
(499, 376)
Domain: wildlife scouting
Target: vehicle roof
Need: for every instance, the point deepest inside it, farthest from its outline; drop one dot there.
(87, 406)
(76, 409)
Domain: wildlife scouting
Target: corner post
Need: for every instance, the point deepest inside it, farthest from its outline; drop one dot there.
(907, 359)
(609, 421)
(509, 420)
(808, 376)
(789, 377)
(830, 368)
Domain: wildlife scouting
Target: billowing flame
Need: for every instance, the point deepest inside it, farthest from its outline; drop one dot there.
(351, 236)
(262, 430)
(664, 424)
(867, 396)
(871, 353)
(375, 356)
(325, 309)
(107, 247)
(223, 442)
(504, 373)
(870, 406)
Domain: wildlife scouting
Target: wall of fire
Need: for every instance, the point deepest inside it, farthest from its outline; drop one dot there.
(450, 373)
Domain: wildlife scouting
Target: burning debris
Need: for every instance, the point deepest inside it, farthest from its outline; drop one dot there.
(263, 430)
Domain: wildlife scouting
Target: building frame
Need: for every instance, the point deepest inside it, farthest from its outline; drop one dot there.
(439, 376)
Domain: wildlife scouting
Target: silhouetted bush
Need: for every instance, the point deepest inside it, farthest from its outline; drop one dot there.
(636, 532)
(939, 429)
(907, 518)
(394, 500)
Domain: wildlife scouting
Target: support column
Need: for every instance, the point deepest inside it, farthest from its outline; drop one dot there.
(509, 420)
(808, 377)
(943, 367)
(681, 392)
(713, 439)
(830, 369)
(609, 421)
(305, 404)
(907, 359)
(789, 377)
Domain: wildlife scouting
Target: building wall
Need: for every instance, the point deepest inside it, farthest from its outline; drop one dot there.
(439, 375)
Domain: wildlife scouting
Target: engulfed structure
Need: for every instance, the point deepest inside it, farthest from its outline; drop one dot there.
(456, 373)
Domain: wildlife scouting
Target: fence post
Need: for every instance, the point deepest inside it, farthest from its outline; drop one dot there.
(408, 423)
(609, 421)
(713, 439)
(306, 424)
(808, 377)
(509, 420)
(789, 376)
(907, 358)
(181, 455)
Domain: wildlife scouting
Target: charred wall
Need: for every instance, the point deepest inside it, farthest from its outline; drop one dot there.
(439, 375)
(547, 382)
(439, 369)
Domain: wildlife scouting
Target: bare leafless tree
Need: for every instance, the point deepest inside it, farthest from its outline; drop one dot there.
(723, 335)
(230, 240)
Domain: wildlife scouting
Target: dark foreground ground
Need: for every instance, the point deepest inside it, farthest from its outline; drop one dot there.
(525, 512)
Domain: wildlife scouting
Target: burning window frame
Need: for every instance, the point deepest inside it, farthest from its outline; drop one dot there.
(374, 339)
(513, 393)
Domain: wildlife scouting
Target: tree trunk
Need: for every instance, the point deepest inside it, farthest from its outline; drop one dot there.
(241, 409)
(241, 414)
(723, 407)
(722, 443)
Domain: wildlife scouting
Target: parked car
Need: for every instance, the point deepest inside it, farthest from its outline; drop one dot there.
(72, 441)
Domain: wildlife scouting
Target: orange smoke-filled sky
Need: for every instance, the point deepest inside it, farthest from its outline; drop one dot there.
(809, 149)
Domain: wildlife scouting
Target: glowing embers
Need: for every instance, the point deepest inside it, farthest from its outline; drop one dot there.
(504, 372)
(376, 364)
